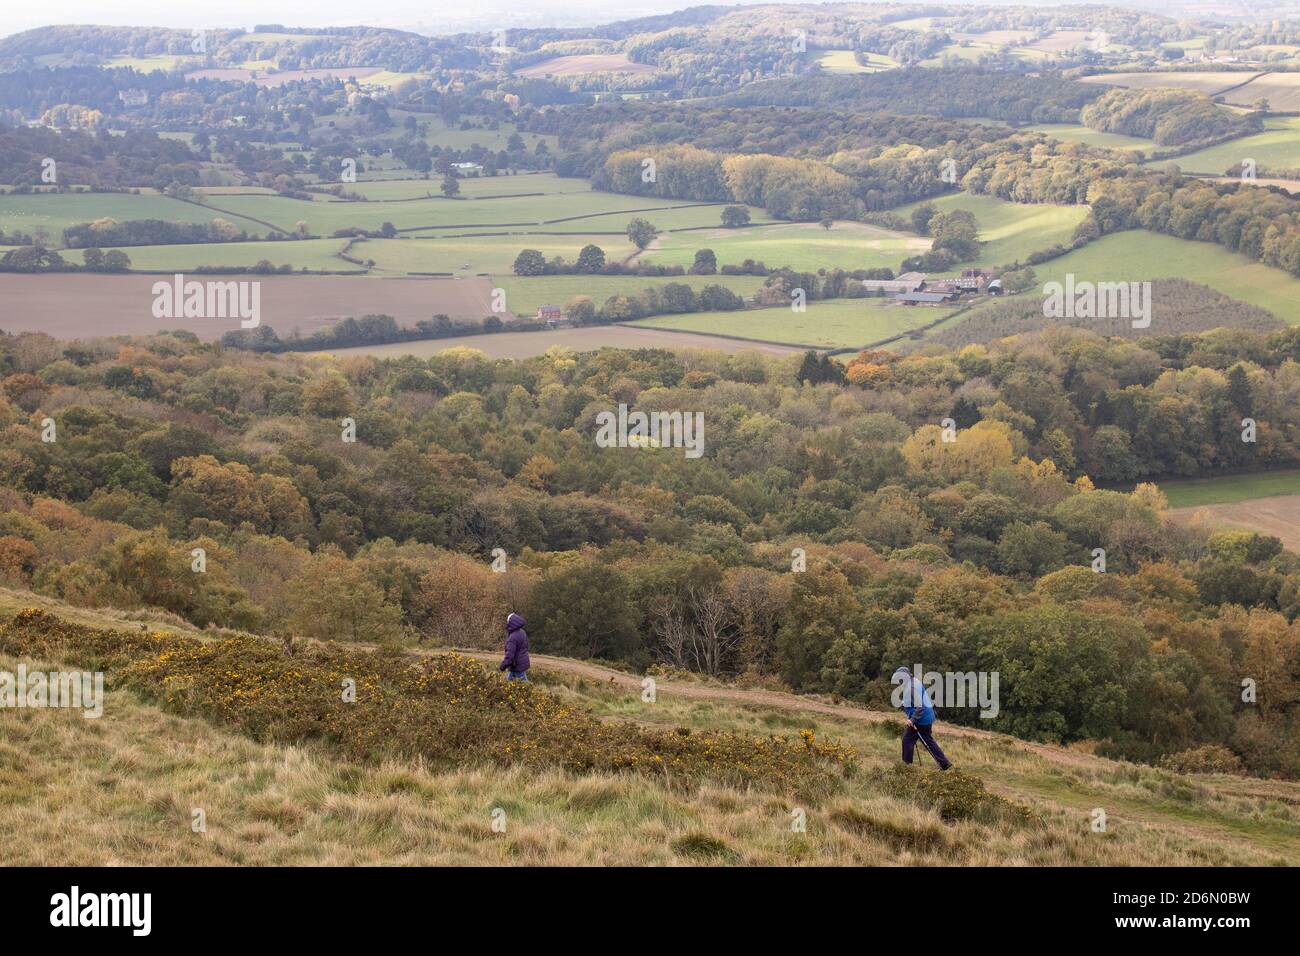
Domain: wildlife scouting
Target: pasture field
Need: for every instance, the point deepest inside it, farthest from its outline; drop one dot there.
(568, 212)
(844, 61)
(1231, 489)
(1209, 82)
(1278, 147)
(1010, 231)
(586, 63)
(524, 294)
(1137, 255)
(1074, 133)
(829, 323)
(470, 187)
(57, 211)
(1062, 41)
(311, 254)
(519, 345)
(471, 255)
(449, 136)
(146, 64)
(803, 246)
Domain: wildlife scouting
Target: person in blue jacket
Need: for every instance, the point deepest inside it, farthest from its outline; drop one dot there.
(920, 719)
(516, 661)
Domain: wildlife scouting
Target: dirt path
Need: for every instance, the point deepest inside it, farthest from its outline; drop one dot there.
(767, 698)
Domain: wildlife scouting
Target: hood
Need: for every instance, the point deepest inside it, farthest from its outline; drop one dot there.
(515, 621)
(904, 672)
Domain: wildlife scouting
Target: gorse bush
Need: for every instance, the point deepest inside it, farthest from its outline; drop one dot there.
(448, 710)
(954, 794)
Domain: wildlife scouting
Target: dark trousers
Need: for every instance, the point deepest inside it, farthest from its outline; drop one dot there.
(926, 731)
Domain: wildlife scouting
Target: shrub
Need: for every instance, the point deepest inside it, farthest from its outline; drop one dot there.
(448, 710)
(1211, 758)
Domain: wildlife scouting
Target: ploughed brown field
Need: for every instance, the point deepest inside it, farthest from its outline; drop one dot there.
(69, 306)
(1278, 516)
(585, 63)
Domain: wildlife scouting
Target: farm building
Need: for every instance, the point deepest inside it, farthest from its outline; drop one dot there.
(995, 287)
(551, 313)
(926, 298)
(907, 282)
(972, 280)
(467, 169)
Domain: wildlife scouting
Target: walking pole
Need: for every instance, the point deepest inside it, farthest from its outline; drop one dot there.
(921, 737)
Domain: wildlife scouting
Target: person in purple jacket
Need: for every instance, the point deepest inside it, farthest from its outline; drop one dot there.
(516, 661)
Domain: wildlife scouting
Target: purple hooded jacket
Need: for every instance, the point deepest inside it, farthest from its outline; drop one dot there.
(516, 660)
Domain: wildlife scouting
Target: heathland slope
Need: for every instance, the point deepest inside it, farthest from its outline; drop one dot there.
(124, 788)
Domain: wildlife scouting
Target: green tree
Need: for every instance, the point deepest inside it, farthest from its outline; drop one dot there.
(641, 232)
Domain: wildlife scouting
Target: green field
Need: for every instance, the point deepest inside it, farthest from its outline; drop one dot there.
(804, 246)
(312, 254)
(845, 61)
(1228, 489)
(1136, 255)
(438, 133)
(477, 254)
(471, 186)
(525, 294)
(1010, 231)
(601, 211)
(1278, 147)
(57, 211)
(1073, 133)
(831, 323)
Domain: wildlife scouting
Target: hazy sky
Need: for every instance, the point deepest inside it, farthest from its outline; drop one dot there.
(424, 16)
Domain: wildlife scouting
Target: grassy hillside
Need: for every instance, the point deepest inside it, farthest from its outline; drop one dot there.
(1278, 147)
(1137, 254)
(831, 323)
(122, 790)
(1010, 231)
(804, 246)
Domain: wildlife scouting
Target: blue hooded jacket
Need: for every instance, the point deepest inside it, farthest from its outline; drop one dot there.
(516, 659)
(917, 705)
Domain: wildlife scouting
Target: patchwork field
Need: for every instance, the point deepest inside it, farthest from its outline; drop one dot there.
(1010, 231)
(831, 323)
(82, 306)
(805, 246)
(1137, 255)
(1278, 147)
